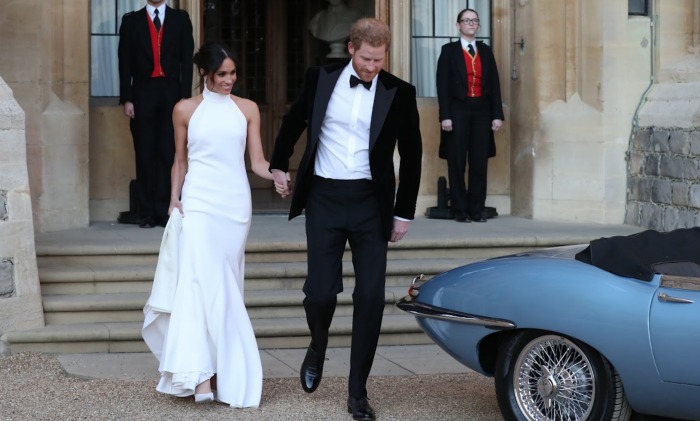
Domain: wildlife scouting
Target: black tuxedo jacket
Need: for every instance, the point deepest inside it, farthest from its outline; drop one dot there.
(136, 55)
(394, 122)
(452, 84)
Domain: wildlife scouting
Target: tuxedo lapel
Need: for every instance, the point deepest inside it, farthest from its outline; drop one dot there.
(458, 56)
(324, 90)
(382, 102)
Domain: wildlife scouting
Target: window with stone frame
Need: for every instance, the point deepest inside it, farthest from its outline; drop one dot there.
(638, 7)
(432, 25)
(105, 18)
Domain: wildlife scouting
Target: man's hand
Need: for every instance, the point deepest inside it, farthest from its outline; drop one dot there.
(400, 229)
(129, 109)
(282, 183)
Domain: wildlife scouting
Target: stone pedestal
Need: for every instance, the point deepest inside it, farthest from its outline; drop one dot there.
(20, 294)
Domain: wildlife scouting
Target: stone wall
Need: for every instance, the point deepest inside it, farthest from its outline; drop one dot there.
(571, 115)
(20, 294)
(664, 178)
(46, 63)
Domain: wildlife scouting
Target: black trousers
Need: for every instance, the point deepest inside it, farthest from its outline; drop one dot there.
(340, 212)
(468, 144)
(154, 143)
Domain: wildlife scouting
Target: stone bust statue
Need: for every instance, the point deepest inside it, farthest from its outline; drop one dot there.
(333, 24)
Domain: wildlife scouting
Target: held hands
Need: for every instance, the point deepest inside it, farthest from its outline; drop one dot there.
(282, 183)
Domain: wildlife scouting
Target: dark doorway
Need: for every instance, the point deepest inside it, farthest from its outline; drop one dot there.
(274, 47)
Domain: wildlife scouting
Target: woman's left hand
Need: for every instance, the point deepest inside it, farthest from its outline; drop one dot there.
(496, 124)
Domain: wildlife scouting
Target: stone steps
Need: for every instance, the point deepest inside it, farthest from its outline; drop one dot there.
(288, 332)
(95, 280)
(128, 307)
(100, 277)
(94, 302)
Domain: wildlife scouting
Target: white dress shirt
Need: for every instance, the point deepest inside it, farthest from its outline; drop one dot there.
(343, 149)
(465, 44)
(161, 12)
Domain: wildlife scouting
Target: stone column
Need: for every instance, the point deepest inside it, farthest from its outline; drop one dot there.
(20, 294)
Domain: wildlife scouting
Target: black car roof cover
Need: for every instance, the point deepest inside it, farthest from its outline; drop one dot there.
(642, 255)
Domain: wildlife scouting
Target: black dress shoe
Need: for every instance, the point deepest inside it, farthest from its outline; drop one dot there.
(147, 222)
(311, 370)
(479, 218)
(360, 408)
(460, 217)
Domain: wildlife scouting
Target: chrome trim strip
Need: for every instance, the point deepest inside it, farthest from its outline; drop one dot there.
(423, 310)
(669, 299)
(680, 282)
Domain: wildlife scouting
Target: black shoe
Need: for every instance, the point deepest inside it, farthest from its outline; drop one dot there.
(147, 222)
(460, 217)
(479, 218)
(360, 408)
(311, 371)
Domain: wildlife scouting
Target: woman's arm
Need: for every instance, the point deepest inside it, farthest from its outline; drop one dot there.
(181, 117)
(258, 163)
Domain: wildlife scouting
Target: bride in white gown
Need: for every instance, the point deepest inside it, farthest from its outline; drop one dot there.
(205, 344)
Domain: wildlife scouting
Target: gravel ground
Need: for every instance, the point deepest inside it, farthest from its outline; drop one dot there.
(35, 387)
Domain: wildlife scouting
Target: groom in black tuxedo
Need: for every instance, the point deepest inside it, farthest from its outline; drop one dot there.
(355, 115)
(155, 72)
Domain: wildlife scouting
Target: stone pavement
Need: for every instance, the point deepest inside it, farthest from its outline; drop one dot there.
(269, 230)
(400, 360)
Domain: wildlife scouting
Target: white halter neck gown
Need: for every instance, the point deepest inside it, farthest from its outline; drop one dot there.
(208, 331)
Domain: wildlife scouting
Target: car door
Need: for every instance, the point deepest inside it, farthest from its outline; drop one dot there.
(674, 327)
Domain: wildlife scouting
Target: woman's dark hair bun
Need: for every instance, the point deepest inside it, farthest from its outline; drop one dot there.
(211, 55)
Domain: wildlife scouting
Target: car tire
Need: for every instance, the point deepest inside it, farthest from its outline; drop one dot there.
(543, 376)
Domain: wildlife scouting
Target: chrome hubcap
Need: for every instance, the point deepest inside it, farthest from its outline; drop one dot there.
(553, 380)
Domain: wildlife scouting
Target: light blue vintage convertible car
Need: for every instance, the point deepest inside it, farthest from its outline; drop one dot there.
(590, 332)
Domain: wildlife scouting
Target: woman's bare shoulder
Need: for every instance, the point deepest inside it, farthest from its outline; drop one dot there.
(185, 108)
(248, 108)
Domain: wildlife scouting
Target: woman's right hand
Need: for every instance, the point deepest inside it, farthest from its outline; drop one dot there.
(176, 204)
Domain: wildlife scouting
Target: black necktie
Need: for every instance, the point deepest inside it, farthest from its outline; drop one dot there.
(354, 81)
(471, 50)
(156, 21)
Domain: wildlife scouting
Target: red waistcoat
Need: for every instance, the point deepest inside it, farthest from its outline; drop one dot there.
(473, 73)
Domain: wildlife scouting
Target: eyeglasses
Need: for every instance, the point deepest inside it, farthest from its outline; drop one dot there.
(469, 21)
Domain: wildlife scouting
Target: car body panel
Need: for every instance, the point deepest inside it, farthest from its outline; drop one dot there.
(675, 335)
(607, 312)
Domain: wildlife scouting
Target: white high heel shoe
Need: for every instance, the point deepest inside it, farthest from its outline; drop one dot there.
(204, 397)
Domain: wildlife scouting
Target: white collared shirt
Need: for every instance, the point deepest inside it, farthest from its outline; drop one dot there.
(161, 12)
(465, 44)
(343, 148)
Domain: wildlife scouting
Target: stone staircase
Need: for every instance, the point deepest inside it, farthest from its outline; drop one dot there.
(96, 280)
(93, 301)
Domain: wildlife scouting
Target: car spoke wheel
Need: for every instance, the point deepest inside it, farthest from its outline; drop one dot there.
(546, 377)
(554, 381)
